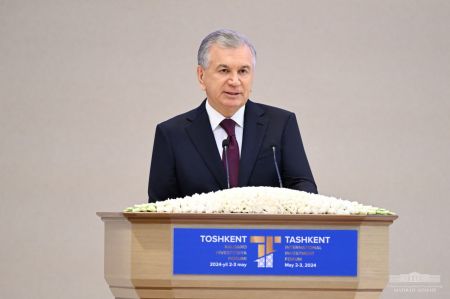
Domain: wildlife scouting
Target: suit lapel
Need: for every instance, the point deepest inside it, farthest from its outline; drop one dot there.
(255, 125)
(202, 137)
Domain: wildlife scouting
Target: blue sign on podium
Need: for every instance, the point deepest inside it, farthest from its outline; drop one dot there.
(301, 252)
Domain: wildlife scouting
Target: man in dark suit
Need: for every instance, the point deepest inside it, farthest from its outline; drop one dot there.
(228, 141)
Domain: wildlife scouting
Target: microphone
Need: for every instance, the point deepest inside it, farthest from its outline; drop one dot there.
(225, 145)
(276, 166)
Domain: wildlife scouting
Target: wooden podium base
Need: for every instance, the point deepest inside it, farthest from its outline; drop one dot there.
(138, 258)
(244, 294)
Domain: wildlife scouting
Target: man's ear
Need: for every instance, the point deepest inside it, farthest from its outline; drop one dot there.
(200, 75)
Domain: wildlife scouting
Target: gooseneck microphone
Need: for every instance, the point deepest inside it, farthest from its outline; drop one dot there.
(276, 166)
(225, 145)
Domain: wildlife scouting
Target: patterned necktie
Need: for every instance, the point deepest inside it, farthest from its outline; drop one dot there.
(232, 152)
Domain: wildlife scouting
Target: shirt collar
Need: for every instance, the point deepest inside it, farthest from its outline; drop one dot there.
(215, 117)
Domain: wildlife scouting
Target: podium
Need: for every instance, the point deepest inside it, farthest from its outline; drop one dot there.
(139, 257)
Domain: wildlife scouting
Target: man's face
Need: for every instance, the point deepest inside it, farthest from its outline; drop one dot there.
(228, 78)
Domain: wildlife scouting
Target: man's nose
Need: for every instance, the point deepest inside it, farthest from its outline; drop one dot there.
(234, 79)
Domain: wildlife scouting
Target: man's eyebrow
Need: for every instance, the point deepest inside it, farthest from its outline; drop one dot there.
(227, 67)
(223, 66)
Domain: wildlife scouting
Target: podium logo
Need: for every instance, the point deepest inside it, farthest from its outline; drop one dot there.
(265, 249)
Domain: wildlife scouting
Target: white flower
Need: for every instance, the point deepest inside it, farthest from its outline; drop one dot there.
(259, 200)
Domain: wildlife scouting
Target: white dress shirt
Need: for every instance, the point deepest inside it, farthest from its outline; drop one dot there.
(219, 133)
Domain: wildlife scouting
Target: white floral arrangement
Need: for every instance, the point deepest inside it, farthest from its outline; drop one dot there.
(259, 200)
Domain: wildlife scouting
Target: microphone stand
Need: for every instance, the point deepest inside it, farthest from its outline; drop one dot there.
(276, 166)
(225, 144)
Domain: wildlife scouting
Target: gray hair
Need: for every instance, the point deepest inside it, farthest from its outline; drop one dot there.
(225, 38)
